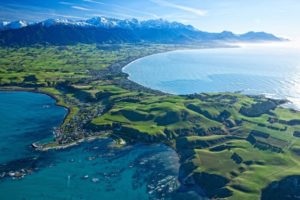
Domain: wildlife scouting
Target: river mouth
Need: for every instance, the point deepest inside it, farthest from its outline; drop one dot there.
(87, 171)
(255, 70)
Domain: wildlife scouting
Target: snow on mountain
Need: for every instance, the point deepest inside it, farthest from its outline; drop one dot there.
(160, 23)
(100, 22)
(16, 24)
(52, 22)
(134, 23)
(139, 29)
(5, 25)
(104, 22)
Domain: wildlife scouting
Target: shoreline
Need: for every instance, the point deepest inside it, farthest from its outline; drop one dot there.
(116, 68)
(179, 50)
(113, 67)
(288, 103)
(33, 90)
(192, 48)
(75, 143)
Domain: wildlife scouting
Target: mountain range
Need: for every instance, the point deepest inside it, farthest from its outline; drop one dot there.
(110, 30)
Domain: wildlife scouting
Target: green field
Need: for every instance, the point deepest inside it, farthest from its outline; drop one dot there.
(232, 145)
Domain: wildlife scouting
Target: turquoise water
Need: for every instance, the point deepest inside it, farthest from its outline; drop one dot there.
(269, 70)
(25, 118)
(92, 170)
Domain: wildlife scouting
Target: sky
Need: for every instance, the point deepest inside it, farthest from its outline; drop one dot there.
(280, 17)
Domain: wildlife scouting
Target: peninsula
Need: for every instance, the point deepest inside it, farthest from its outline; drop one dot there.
(231, 145)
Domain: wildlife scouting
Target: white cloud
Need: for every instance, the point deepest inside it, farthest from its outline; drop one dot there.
(124, 11)
(195, 11)
(93, 1)
(81, 8)
(66, 16)
(65, 3)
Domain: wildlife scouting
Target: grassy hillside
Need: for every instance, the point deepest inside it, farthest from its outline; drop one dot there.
(231, 145)
(216, 142)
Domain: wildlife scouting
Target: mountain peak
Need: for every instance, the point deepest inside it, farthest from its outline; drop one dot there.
(51, 22)
(5, 25)
(259, 36)
(101, 22)
(111, 30)
(105, 22)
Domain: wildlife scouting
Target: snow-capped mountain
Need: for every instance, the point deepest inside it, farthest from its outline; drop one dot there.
(110, 30)
(53, 22)
(104, 22)
(5, 25)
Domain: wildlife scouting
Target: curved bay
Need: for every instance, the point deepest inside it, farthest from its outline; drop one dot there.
(87, 171)
(273, 71)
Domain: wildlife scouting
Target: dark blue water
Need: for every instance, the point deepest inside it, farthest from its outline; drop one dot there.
(94, 170)
(269, 70)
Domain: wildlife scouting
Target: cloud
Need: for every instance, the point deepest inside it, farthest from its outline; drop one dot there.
(131, 11)
(110, 14)
(123, 11)
(81, 8)
(66, 16)
(10, 14)
(65, 3)
(195, 11)
(93, 1)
